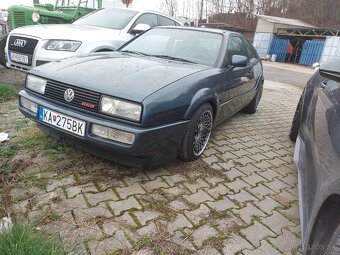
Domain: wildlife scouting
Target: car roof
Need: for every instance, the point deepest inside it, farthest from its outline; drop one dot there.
(145, 11)
(202, 29)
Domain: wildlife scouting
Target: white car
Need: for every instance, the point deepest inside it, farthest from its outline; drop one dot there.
(98, 31)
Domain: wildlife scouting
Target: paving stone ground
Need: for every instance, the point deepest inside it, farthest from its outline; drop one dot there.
(240, 198)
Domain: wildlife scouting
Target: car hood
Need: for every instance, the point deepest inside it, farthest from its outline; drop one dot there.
(118, 74)
(67, 31)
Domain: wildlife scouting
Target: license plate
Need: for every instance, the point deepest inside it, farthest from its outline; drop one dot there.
(62, 121)
(15, 57)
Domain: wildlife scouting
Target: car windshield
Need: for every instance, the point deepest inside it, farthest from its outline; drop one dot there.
(178, 44)
(109, 18)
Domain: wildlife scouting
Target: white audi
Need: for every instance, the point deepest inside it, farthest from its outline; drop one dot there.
(98, 31)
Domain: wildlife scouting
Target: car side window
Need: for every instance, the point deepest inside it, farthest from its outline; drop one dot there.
(235, 47)
(251, 53)
(147, 18)
(162, 21)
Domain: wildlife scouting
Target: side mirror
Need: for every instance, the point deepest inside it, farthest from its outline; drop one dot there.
(140, 28)
(239, 61)
(330, 70)
(316, 65)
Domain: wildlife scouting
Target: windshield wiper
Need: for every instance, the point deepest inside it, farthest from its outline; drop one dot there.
(173, 58)
(134, 52)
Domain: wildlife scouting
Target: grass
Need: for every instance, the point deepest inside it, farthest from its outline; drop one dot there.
(7, 92)
(24, 239)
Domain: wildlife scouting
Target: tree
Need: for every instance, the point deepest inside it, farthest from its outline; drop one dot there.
(170, 6)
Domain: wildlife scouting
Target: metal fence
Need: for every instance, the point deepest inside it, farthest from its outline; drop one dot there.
(311, 52)
(279, 48)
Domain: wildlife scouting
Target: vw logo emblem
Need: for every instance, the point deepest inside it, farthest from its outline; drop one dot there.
(69, 95)
(20, 43)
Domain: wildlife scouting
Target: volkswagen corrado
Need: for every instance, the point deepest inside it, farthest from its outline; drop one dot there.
(156, 98)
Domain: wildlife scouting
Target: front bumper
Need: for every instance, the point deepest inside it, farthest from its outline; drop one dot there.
(40, 55)
(152, 146)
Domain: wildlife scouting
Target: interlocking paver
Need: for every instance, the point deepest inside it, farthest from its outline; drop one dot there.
(276, 222)
(286, 242)
(257, 232)
(235, 244)
(222, 205)
(264, 249)
(219, 190)
(94, 199)
(203, 233)
(145, 216)
(248, 213)
(196, 185)
(195, 216)
(133, 189)
(245, 183)
(82, 215)
(124, 205)
(198, 197)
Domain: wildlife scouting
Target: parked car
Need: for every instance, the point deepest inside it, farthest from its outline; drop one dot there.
(101, 30)
(316, 129)
(157, 97)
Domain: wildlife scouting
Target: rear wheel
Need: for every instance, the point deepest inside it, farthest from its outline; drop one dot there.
(294, 130)
(197, 134)
(254, 104)
(3, 41)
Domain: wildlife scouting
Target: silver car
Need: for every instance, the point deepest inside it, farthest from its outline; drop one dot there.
(98, 31)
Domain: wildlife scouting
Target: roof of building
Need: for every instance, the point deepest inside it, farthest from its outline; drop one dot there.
(285, 21)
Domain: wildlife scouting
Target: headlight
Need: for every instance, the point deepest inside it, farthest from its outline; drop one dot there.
(35, 17)
(35, 83)
(120, 108)
(5, 16)
(62, 45)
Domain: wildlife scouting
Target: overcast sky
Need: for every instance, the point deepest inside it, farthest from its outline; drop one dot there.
(137, 4)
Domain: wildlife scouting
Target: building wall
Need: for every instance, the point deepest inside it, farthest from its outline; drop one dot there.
(264, 26)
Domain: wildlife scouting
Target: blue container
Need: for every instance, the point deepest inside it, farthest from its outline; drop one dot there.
(311, 52)
(279, 47)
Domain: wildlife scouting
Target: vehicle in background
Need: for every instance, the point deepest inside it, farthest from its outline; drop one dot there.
(3, 22)
(98, 31)
(316, 129)
(64, 11)
(157, 97)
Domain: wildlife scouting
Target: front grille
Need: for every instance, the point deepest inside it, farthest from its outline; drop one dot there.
(19, 19)
(22, 44)
(56, 90)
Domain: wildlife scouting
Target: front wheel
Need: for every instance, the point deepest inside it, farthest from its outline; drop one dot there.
(294, 130)
(197, 134)
(254, 104)
(3, 41)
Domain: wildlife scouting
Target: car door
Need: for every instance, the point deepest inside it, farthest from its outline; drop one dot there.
(237, 80)
(326, 125)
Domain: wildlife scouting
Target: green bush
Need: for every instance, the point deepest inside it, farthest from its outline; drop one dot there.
(7, 92)
(25, 240)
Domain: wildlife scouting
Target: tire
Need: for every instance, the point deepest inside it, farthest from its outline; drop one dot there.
(296, 123)
(252, 107)
(197, 134)
(3, 41)
(334, 244)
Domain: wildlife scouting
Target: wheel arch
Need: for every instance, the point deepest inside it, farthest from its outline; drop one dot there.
(203, 96)
(325, 223)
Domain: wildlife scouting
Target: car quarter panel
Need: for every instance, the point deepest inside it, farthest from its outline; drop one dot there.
(320, 159)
